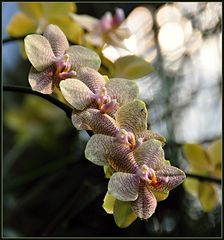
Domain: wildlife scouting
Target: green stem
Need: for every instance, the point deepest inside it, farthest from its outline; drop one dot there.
(204, 178)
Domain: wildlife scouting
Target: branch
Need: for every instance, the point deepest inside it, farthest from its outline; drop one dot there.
(204, 178)
(12, 39)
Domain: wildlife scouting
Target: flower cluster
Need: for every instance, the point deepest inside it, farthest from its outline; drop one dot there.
(140, 175)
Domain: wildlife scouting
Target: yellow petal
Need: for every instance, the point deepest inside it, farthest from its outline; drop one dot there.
(214, 152)
(20, 25)
(108, 203)
(191, 185)
(31, 9)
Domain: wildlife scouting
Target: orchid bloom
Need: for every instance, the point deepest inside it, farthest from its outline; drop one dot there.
(150, 181)
(53, 60)
(97, 99)
(130, 132)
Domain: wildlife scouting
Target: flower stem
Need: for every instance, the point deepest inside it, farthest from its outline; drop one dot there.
(204, 178)
(12, 39)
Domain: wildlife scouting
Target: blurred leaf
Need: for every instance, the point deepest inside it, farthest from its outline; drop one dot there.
(132, 67)
(123, 214)
(191, 186)
(207, 196)
(108, 203)
(196, 156)
(214, 151)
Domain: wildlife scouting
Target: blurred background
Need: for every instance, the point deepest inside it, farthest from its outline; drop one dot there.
(50, 189)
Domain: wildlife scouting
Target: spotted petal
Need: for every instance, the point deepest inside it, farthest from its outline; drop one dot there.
(151, 154)
(76, 93)
(57, 39)
(124, 186)
(149, 134)
(41, 81)
(145, 204)
(132, 116)
(122, 90)
(93, 119)
(169, 177)
(39, 51)
(91, 78)
(83, 57)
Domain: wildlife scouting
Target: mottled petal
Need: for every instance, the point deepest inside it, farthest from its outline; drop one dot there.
(57, 39)
(145, 204)
(41, 81)
(91, 78)
(83, 57)
(97, 148)
(76, 93)
(132, 116)
(169, 177)
(124, 186)
(93, 119)
(39, 51)
(149, 134)
(151, 154)
(122, 90)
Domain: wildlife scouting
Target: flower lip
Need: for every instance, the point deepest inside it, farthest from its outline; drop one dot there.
(147, 174)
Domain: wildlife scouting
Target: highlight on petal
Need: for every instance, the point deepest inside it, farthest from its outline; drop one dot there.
(169, 177)
(76, 93)
(83, 57)
(145, 204)
(97, 148)
(132, 116)
(122, 90)
(57, 39)
(93, 79)
(151, 154)
(38, 51)
(41, 81)
(108, 203)
(93, 119)
(124, 216)
(31, 9)
(20, 25)
(124, 186)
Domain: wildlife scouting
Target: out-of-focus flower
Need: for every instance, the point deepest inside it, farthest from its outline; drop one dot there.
(53, 60)
(105, 30)
(151, 175)
(97, 99)
(35, 16)
(206, 162)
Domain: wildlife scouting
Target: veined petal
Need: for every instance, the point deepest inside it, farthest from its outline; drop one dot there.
(149, 134)
(41, 81)
(169, 177)
(76, 93)
(144, 206)
(97, 149)
(151, 154)
(94, 80)
(83, 57)
(132, 116)
(57, 39)
(20, 25)
(31, 9)
(124, 186)
(93, 119)
(122, 90)
(39, 51)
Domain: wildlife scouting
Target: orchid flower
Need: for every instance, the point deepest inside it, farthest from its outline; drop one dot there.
(97, 99)
(53, 60)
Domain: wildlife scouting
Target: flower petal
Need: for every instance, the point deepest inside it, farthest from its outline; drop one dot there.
(124, 186)
(20, 25)
(57, 8)
(31, 9)
(145, 204)
(93, 119)
(57, 39)
(132, 116)
(38, 51)
(169, 177)
(151, 154)
(76, 93)
(91, 78)
(97, 148)
(122, 90)
(149, 134)
(41, 81)
(83, 57)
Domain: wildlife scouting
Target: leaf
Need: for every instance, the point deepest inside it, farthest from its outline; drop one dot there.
(207, 196)
(123, 214)
(214, 152)
(108, 203)
(132, 67)
(196, 156)
(191, 186)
